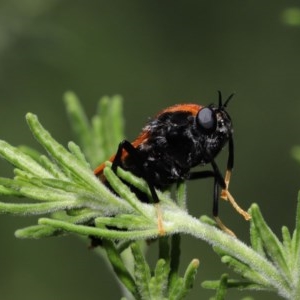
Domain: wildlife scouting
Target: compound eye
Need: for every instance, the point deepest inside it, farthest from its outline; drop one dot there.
(206, 119)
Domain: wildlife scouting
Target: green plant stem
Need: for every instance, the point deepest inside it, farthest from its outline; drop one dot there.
(178, 221)
(235, 248)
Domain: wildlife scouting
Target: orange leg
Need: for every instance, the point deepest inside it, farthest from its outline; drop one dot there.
(226, 195)
(160, 224)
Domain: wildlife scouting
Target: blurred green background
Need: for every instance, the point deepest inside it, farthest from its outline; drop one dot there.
(155, 54)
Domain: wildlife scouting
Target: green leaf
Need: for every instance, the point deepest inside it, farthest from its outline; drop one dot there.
(287, 247)
(221, 286)
(159, 281)
(222, 289)
(255, 239)
(245, 271)
(119, 267)
(21, 160)
(142, 272)
(79, 122)
(181, 194)
(271, 244)
(189, 277)
(37, 232)
(176, 290)
(110, 112)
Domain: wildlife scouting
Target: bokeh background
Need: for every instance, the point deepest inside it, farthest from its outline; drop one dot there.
(154, 54)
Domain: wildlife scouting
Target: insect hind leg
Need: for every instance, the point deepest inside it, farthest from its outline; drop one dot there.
(133, 152)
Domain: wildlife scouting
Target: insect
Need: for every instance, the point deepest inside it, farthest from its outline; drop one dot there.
(175, 141)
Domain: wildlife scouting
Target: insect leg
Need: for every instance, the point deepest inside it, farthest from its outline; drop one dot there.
(216, 210)
(218, 181)
(229, 167)
(132, 151)
(225, 194)
(215, 173)
(134, 154)
(230, 160)
(201, 174)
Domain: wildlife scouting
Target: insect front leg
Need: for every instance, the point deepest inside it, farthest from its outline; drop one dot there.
(227, 195)
(229, 168)
(218, 182)
(216, 210)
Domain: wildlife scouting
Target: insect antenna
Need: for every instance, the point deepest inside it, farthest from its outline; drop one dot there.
(221, 105)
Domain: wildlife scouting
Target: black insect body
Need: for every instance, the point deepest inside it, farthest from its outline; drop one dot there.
(178, 139)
